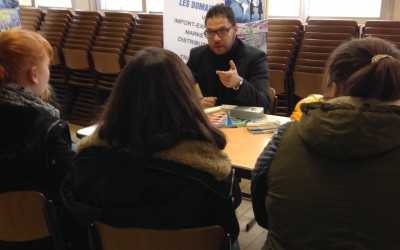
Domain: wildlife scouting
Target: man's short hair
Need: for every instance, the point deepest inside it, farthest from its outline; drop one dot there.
(221, 10)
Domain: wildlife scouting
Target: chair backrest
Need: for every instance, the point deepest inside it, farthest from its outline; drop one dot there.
(28, 216)
(106, 237)
(273, 101)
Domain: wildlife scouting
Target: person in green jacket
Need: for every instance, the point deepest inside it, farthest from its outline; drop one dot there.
(331, 179)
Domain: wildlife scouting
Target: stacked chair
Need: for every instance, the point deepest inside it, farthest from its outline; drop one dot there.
(109, 47)
(79, 67)
(148, 32)
(388, 30)
(90, 49)
(31, 18)
(54, 27)
(320, 38)
(282, 45)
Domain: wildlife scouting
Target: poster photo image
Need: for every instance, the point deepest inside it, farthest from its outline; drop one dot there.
(8, 4)
(247, 10)
(9, 15)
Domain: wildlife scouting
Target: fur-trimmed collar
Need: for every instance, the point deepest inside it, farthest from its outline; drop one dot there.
(200, 155)
(14, 94)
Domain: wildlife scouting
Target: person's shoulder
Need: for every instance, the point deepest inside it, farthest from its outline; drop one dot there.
(199, 50)
(248, 49)
(254, 50)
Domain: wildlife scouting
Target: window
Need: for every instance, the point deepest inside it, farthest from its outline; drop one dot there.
(25, 2)
(54, 3)
(155, 5)
(360, 10)
(128, 5)
(132, 5)
(345, 8)
(284, 8)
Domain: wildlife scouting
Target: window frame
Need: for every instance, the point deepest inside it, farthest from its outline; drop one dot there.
(386, 13)
(144, 8)
(31, 5)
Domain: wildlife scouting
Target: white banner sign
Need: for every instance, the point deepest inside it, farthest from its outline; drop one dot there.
(184, 25)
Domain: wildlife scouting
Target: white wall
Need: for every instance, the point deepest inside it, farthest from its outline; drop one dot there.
(396, 10)
(84, 5)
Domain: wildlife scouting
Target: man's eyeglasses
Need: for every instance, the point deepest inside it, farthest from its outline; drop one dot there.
(220, 32)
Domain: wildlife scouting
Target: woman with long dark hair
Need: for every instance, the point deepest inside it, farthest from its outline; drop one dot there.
(155, 160)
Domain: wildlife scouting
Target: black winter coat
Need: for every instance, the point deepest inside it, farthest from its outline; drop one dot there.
(35, 150)
(187, 186)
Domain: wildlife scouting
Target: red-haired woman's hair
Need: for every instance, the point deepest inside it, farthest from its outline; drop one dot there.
(19, 50)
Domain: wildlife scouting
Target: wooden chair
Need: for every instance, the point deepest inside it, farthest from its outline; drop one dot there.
(88, 13)
(317, 49)
(273, 101)
(382, 23)
(285, 40)
(335, 22)
(328, 36)
(150, 16)
(278, 66)
(282, 21)
(293, 35)
(35, 12)
(314, 56)
(309, 69)
(150, 21)
(278, 59)
(278, 52)
(284, 28)
(107, 65)
(277, 80)
(59, 12)
(150, 38)
(311, 62)
(28, 216)
(29, 25)
(331, 29)
(147, 32)
(136, 45)
(54, 30)
(306, 83)
(321, 42)
(283, 35)
(381, 30)
(393, 38)
(116, 19)
(106, 237)
(281, 46)
(92, 18)
(119, 14)
(57, 19)
(149, 27)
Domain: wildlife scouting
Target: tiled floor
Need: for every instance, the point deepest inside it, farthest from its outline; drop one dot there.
(251, 240)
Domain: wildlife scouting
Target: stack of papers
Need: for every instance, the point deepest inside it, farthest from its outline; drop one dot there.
(262, 129)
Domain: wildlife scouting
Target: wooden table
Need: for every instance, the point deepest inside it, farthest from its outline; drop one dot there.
(243, 148)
